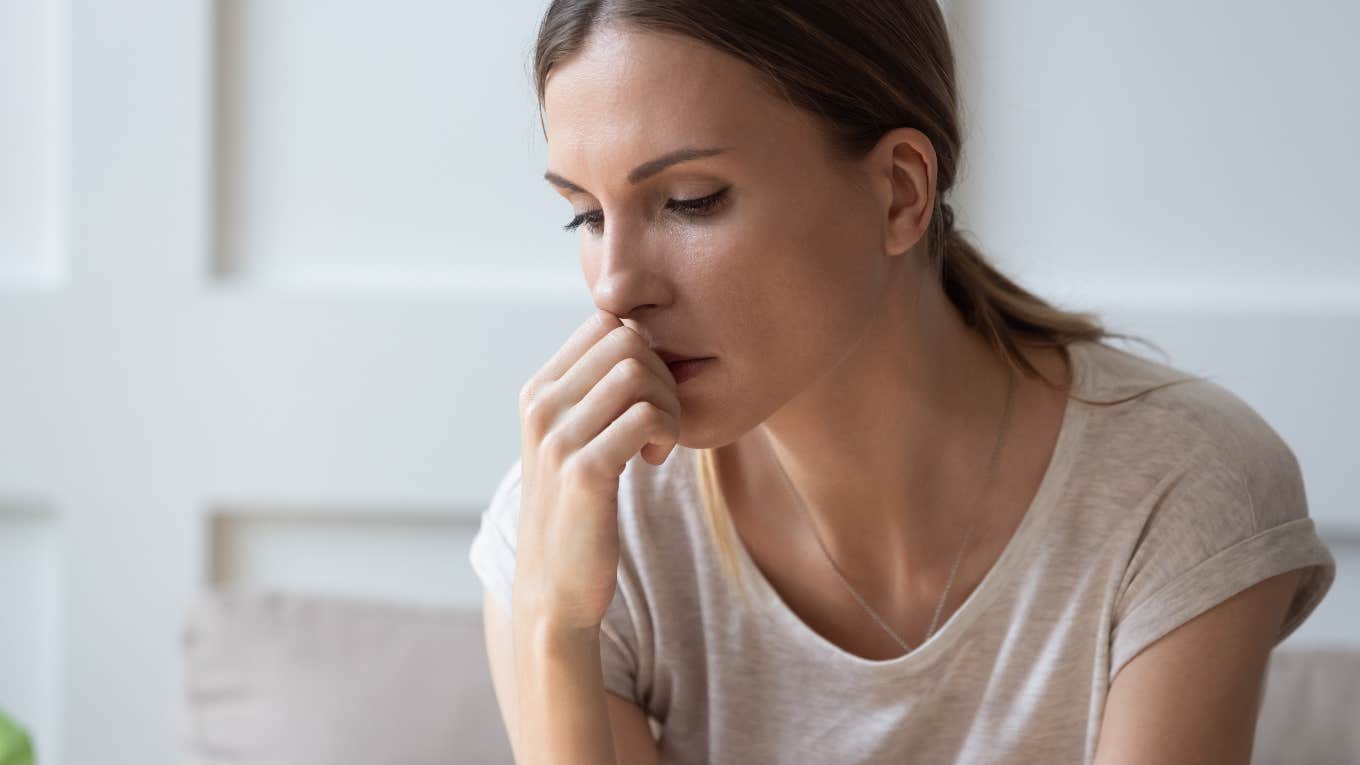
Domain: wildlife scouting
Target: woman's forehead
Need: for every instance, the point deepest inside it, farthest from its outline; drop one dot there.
(650, 81)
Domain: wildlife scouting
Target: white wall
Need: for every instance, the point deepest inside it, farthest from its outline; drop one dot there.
(271, 274)
(1187, 170)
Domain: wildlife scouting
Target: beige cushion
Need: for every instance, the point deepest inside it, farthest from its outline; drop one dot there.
(1310, 713)
(309, 680)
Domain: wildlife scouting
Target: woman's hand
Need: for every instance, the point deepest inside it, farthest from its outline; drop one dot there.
(604, 397)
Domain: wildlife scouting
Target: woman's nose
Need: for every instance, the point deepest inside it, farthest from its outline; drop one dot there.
(626, 277)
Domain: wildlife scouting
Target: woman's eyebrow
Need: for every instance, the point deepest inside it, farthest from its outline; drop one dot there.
(647, 169)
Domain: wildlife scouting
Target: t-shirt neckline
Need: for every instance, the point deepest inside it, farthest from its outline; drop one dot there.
(772, 606)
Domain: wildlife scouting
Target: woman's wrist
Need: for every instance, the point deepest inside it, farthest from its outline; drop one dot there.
(560, 690)
(539, 627)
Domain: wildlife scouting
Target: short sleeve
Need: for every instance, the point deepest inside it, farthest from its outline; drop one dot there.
(493, 547)
(1218, 528)
(492, 556)
(619, 649)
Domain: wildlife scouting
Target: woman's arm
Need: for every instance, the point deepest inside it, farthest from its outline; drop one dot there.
(559, 686)
(1193, 696)
(634, 742)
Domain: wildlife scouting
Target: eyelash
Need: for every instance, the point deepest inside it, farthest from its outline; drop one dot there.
(696, 208)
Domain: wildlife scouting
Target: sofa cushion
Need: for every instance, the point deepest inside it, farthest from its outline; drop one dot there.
(1310, 712)
(281, 678)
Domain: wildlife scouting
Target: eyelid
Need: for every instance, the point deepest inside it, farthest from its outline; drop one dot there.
(695, 207)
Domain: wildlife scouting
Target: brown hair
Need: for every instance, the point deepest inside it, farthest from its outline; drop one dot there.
(862, 67)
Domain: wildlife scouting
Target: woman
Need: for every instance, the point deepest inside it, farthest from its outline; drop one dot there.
(902, 509)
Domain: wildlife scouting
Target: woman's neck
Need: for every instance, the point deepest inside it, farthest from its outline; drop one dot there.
(889, 450)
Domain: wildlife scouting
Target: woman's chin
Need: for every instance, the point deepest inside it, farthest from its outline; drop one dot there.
(698, 431)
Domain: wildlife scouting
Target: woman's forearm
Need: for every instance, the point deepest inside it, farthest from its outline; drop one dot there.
(560, 692)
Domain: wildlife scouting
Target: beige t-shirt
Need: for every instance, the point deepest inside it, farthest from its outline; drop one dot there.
(1150, 513)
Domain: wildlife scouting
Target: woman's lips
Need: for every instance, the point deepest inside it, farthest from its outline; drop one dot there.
(684, 370)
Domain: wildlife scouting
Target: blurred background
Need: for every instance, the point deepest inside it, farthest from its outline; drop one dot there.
(273, 271)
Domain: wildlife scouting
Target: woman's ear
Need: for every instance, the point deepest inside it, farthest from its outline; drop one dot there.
(902, 169)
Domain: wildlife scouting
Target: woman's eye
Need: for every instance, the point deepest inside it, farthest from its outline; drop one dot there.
(590, 219)
(693, 208)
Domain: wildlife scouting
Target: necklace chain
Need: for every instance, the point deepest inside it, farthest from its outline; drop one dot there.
(996, 449)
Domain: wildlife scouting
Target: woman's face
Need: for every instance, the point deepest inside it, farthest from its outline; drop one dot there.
(778, 279)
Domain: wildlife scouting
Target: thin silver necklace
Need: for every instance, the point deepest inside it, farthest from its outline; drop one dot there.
(996, 449)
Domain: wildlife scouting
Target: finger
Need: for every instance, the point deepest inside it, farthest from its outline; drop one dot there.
(657, 455)
(587, 334)
(599, 359)
(622, 387)
(642, 424)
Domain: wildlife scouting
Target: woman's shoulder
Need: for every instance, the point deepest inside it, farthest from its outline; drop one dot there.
(1179, 403)
(1186, 423)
